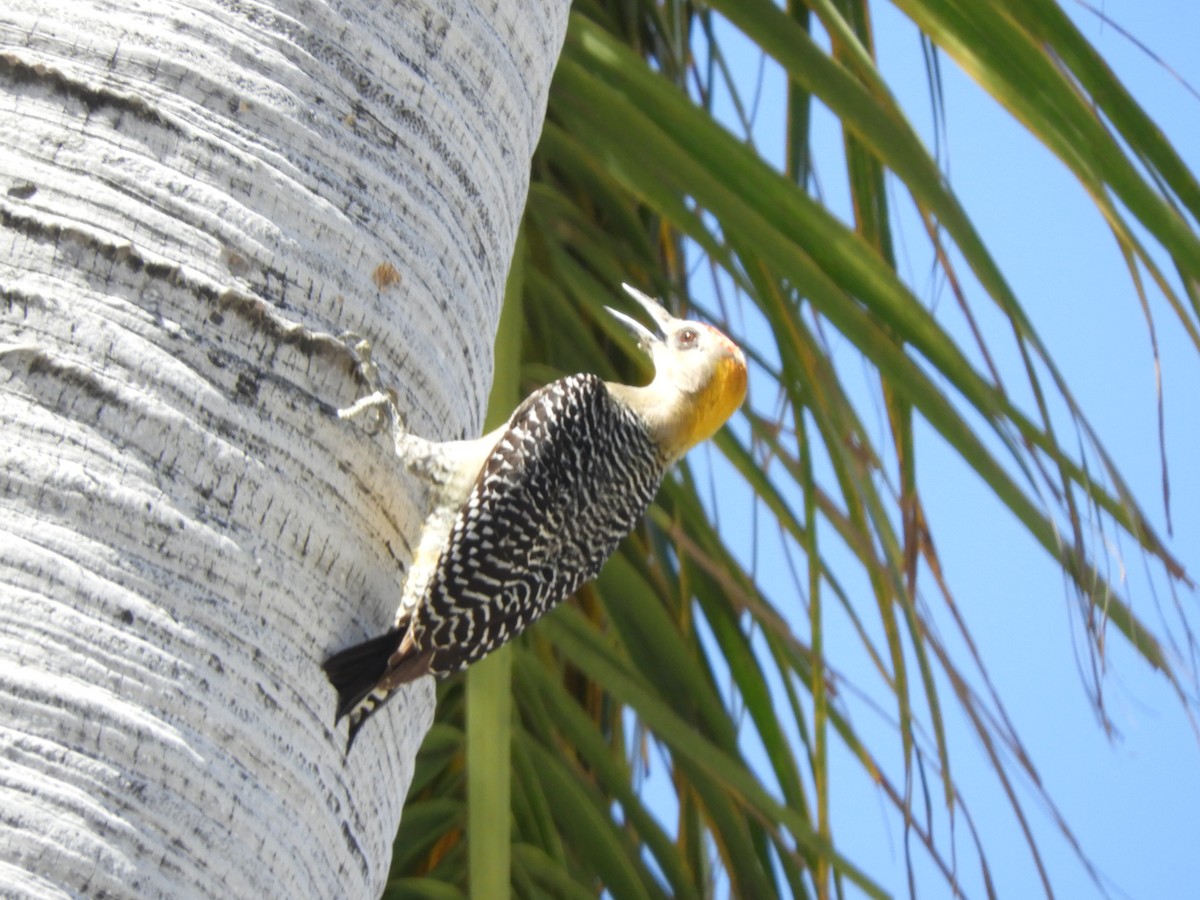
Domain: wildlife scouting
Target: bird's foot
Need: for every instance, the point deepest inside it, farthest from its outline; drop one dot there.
(380, 404)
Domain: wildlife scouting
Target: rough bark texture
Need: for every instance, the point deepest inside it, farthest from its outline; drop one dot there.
(193, 197)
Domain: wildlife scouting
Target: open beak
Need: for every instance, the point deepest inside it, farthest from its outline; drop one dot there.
(645, 337)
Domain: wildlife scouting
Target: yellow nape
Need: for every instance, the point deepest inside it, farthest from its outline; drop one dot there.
(709, 408)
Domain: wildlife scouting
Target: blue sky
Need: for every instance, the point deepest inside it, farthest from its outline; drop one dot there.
(1131, 800)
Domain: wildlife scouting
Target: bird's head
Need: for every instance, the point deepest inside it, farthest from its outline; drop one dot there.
(699, 380)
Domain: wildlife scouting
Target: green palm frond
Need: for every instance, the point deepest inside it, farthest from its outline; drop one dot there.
(680, 665)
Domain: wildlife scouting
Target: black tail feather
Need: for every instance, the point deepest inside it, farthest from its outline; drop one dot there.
(367, 675)
(355, 671)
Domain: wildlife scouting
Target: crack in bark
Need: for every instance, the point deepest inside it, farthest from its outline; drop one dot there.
(20, 72)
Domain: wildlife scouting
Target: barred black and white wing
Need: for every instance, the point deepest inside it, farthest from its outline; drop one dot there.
(569, 477)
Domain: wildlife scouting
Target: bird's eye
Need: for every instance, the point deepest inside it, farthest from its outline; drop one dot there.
(687, 338)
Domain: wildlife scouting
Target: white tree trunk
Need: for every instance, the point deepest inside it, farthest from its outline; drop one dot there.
(193, 196)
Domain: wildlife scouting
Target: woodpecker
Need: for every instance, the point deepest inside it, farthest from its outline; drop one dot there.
(525, 515)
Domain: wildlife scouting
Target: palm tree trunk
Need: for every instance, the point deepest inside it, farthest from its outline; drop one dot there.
(195, 199)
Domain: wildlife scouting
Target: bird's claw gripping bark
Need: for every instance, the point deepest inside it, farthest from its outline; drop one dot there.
(381, 402)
